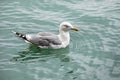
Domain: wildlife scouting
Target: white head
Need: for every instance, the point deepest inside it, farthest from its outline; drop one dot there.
(66, 26)
(64, 36)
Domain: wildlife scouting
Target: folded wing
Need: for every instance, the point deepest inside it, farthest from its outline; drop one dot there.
(42, 39)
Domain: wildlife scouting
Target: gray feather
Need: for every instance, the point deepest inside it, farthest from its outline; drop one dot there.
(46, 34)
(44, 39)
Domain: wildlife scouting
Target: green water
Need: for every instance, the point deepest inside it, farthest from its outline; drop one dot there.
(93, 53)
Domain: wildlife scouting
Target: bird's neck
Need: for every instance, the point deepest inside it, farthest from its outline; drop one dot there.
(65, 37)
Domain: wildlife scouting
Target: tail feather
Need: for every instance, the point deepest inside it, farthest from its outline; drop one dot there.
(23, 36)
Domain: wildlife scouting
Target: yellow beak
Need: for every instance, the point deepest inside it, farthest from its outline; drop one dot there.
(75, 29)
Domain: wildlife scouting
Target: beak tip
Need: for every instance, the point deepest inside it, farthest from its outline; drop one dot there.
(75, 29)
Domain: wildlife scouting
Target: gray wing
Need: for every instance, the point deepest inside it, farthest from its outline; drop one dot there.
(46, 34)
(51, 39)
(44, 40)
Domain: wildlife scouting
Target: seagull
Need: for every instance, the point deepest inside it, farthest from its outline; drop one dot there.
(48, 39)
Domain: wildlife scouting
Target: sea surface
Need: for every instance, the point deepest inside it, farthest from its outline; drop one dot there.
(93, 53)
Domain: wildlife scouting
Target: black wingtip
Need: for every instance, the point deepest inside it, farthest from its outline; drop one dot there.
(23, 36)
(17, 33)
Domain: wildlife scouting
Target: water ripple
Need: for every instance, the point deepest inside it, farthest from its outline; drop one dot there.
(93, 53)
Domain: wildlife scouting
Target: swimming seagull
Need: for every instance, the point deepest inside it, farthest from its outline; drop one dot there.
(50, 40)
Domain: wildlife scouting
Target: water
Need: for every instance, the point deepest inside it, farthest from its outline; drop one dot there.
(94, 51)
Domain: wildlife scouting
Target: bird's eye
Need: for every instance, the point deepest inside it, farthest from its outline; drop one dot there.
(66, 26)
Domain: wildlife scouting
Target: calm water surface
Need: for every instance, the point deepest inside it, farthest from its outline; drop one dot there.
(94, 51)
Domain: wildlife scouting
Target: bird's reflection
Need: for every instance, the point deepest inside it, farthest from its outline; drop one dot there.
(34, 53)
